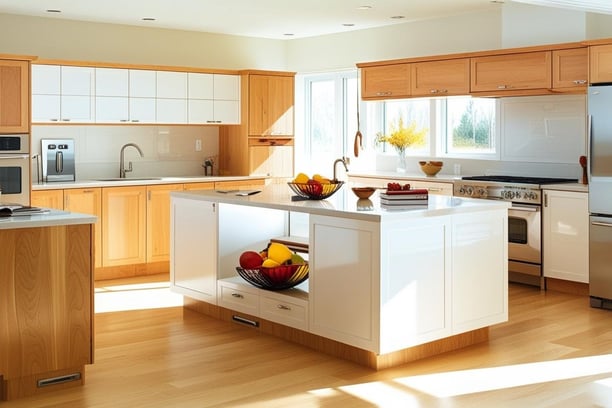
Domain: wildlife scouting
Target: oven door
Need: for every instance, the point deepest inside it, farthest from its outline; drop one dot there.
(14, 178)
(524, 233)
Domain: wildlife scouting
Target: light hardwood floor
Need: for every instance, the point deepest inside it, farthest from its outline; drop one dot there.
(555, 351)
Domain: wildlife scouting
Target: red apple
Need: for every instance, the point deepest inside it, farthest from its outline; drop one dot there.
(250, 260)
(315, 187)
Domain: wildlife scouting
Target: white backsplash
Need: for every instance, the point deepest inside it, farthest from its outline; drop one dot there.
(168, 150)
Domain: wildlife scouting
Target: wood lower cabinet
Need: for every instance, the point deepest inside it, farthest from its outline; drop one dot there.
(511, 72)
(14, 96)
(269, 157)
(600, 63)
(48, 199)
(440, 78)
(570, 69)
(123, 225)
(46, 308)
(158, 221)
(385, 81)
(88, 201)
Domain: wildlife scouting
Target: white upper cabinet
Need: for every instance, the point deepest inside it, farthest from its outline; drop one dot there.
(171, 97)
(112, 86)
(142, 92)
(62, 94)
(214, 98)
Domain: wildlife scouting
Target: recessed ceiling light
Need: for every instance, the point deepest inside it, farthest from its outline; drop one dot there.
(398, 17)
(53, 11)
(148, 19)
(348, 24)
(288, 34)
(364, 7)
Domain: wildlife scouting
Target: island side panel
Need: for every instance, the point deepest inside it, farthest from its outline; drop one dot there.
(46, 306)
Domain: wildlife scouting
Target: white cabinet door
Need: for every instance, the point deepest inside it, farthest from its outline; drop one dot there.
(214, 98)
(77, 97)
(201, 111)
(112, 82)
(142, 93)
(171, 85)
(200, 86)
(227, 87)
(480, 270)
(46, 108)
(193, 251)
(142, 110)
(344, 280)
(565, 232)
(171, 110)
(46, 79)
(227, 112)
(112, 109)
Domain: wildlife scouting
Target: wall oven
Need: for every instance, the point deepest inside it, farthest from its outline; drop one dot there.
(524, 219)
(15, 169)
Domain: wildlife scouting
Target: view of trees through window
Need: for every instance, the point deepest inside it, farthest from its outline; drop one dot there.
(470, 125)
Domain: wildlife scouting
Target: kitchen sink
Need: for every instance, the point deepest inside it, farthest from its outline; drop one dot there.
(128, 179)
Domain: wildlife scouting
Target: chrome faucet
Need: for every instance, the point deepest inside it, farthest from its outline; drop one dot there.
(344, 161)
(122, 169)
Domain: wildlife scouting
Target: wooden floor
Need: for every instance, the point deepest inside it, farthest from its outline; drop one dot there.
(555, 351)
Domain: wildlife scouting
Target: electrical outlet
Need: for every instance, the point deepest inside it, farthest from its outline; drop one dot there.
(198, 145)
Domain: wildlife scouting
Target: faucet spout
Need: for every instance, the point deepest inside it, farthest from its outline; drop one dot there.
(344, 161)
(122, 169)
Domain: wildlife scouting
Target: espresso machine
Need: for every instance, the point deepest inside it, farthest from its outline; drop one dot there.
(57, 160)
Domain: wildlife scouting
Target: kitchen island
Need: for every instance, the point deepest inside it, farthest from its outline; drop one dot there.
(46, 302)
(385, 287)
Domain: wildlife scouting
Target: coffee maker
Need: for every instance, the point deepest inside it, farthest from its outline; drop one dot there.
(57, 160)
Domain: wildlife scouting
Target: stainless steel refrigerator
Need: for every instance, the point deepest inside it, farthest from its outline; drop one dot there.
(599, 164)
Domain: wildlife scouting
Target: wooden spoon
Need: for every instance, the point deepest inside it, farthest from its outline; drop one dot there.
(583, 164)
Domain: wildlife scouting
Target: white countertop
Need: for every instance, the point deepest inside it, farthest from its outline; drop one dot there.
(343, 203)
(441, 178)
(577, 187)
(52, 219)
(110, 182)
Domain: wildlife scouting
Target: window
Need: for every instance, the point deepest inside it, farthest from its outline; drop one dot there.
(410, 110)
(470, 127)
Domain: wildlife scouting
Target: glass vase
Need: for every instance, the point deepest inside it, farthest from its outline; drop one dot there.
(401, 162)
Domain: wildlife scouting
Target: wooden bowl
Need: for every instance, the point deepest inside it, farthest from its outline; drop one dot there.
(363, 192)
(431, 168)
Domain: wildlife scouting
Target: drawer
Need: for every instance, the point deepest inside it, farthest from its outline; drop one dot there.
(238, 300)
(290, 313)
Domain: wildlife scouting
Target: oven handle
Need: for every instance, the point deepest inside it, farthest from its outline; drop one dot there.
(14, 156)
(524, 208)
(601, 224)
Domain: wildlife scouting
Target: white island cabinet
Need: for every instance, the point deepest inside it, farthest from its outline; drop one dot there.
(381, 282)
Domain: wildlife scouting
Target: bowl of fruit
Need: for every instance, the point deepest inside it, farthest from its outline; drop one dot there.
(315, 188)
(274, 268)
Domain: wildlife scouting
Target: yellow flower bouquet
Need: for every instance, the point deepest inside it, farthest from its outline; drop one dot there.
(402, 137)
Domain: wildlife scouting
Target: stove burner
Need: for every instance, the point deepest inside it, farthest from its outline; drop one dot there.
(521, 179)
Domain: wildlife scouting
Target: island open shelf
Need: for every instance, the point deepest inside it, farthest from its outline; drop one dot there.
(385, 287)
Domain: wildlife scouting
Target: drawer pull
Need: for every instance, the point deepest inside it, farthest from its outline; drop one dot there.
(283, 307)
(237, 295)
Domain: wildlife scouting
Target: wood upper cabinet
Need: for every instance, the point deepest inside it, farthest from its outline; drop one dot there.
(600, 63)
(123, 225)
(440, 78)
(508, 72)
(270, 110)
(14, 96)
(269, 157)
(158, 221)
(570, 68)
(87, 201)
(385, 81)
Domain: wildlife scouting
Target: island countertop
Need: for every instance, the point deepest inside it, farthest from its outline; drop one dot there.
(50, 219)
(342, 204)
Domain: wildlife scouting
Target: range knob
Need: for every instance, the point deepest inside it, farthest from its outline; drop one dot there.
(482, 192)
(469, 191)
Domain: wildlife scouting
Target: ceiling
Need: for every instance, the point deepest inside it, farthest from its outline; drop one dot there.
(272, 19)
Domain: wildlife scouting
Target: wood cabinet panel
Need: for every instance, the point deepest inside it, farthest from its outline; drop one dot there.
(270, 111)
(600, 63)
(14, 96)
(440, 78)
(48, 199)
(158, 221)
(271, 157)
(570, 68)
(199, 186)
(386, 81)
(88, 201)
(522, 71)
(123, 225)
(46, 305)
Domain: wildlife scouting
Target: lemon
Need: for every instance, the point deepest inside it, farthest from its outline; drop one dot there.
(301, 178)
(270, 263)
(279, 252)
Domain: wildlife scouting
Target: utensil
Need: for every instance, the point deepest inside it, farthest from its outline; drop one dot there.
(358, 136)
(583, 164)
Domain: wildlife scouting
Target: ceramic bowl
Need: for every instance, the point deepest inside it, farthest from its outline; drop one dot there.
(363, 192)
(431, 168)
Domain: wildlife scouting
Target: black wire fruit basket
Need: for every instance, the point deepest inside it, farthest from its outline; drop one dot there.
(316, 191)
(276, 278)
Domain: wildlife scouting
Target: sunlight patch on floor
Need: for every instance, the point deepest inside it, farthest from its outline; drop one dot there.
(150, 295)
(456, 383)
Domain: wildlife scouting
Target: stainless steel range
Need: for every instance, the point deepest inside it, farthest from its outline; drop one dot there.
(524, 218)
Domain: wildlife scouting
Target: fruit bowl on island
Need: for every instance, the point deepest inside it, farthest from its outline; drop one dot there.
(315, 188)
(275, 278)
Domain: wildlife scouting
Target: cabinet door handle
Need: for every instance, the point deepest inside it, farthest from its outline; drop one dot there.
(580, 81)
(283, 307)
(237, 295)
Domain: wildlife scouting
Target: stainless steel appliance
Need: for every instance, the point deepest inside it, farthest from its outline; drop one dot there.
(57, 160)
(15, 168)
(524, 218)
(599, 167)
